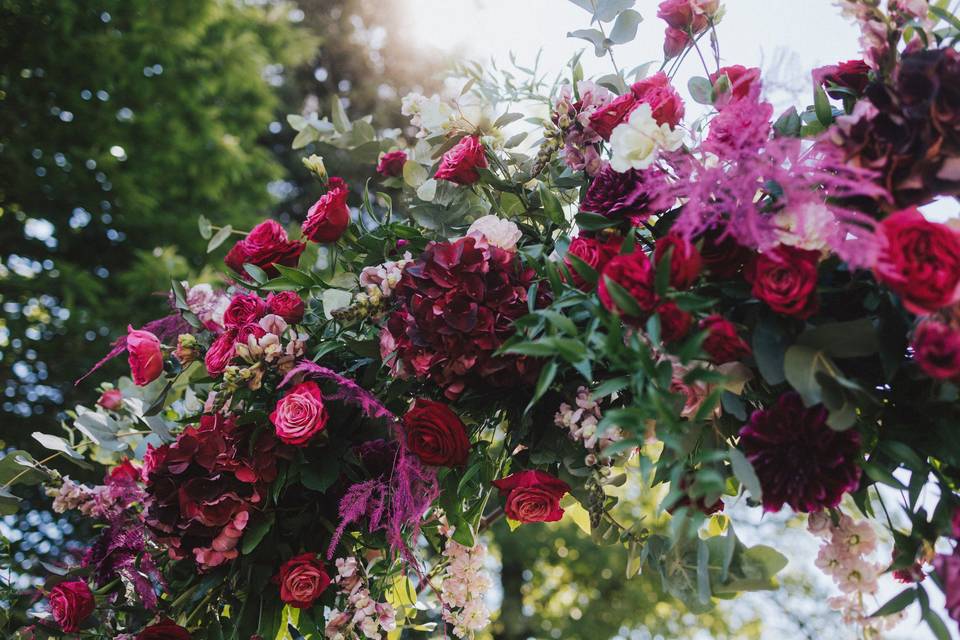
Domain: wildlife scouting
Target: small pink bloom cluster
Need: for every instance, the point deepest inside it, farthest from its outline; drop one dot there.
(384, 277)
(844, 556)
(582, 421)
(209, 305)
(361, 612)
(465, 580)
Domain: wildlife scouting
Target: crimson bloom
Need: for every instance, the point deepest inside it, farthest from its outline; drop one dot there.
(460, 164)
(633, 273)
(70, 604)
(532, 496)
(435, 434)
(329, 216)
(302, 580)
(786, 279)
(164, 630)
(594, 252)
(144, 356)
(266, 245)
(936, 349)
(684, 262)
(722, 343)
(391, 163)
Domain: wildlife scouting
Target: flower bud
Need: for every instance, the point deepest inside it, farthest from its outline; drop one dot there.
(315, 165)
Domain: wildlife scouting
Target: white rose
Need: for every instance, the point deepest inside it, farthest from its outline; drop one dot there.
(635, 143)
(497, 232)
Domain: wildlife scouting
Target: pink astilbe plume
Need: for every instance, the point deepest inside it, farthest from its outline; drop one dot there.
(393, 502)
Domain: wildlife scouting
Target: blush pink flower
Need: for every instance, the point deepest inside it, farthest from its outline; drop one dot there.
(460, 164)
(144, 356)
(300, 414)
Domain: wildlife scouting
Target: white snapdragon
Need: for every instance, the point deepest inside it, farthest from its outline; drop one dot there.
(384, 277)
(429, 115)
(635, 144)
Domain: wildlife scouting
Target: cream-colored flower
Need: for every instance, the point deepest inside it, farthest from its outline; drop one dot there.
(636, 143)
(497, 232)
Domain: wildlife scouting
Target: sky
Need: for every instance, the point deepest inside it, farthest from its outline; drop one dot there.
(787, 39)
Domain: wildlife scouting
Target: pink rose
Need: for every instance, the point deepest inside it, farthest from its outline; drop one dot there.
(300, 414)
(665, 103)
(936, 348)
(266, 245)
(244, 308)
(111, 399)
(70, 604)
(144, 356)
(687, 14)
(302, 580)
(391, 164)
(460, 164)
(329, 217)
(286, 304)
(221, 352)
(674, 42)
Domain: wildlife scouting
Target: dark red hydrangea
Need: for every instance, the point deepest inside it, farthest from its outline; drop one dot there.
(799, 459)
(203, 488)
(632, 195)
(458, 302)
(267, 244)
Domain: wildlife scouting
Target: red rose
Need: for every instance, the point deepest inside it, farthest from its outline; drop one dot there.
(144, 356)
(634, 273)
(244, 308)
(594, 252)
(286, 304)
(687, 14)
(936, 348)
(684, 259)
(674, 42)
(532, 496)
(300, 414)
(664, 101)
(722, 343)
(267, 244)
(111, 399)
(70, 604)
(435, 434)
(786, 279)
(603, 121)
(123, 473)
(221, 352)
(674, 322)
(164, 630)
(723, 259)
(852, 74)
(920, 262)
(329, 217)
(742, 79)
(460, 163)
(302, 580)
(391, 164)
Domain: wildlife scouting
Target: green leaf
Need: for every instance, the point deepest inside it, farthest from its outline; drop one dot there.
(703, 571)
(551, 205)
(853, 339)
(56, 443)
(945, 15)
(585, 271)
(593, 221)
(821, 105)
(219, 238)
(878, 474)
(414, 174)
(547, 374)
(897, 603)
(622, 298)
(594, 37)
(607, 10)
(19, 467)
(801, 365)
(340, 120)
(746, 474)
(255, 531)
(259, 275)
(206, 231)
(701, 90)
(625, 28)
(770, 344)
(317, 477)
(788, 124)
(506, 119)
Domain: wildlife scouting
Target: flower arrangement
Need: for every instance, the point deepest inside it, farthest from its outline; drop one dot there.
(751, 310)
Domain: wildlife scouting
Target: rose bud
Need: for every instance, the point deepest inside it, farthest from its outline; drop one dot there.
(70, 604)
(302, 580)
(742, 79)
(329, 217)
(266, 245)
(391, 164)
(722, 343)
(675, 323)
(460, 164)
(144, 356)
(435, 434)
(684, 262)
(300, 414)
(286, 304)
(186, 351)
(165, 629)
(111, 399)
(786, 279)
(532, 496)
(674, 42)
(596, 253)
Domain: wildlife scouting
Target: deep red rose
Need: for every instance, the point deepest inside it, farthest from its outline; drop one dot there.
(852, 74)
(70, 604)
(634, 273)
(722, 343)
(920, 261)
(221, 352)
(123, 473)
(742, 79)
(144, 356)
(723, 259)
(532, 496)
(675, 41)
(300, 414)
(936, 348)
(595, 252)
(391, 164)
(164, 630)
(687, 14)
(329, 216)
(675, 323)
(244, 308)
(460, 164)
(604, 120)
(684, 259)
(286, 304)
(302, 580)
(111, 399)
(247, 330)
(664, 101)
(267, 244)
(435, 434)
(786, 279)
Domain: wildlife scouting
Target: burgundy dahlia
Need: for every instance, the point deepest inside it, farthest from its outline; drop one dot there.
(203, 487)
(632, 195)
(800, 461)
(458, 302)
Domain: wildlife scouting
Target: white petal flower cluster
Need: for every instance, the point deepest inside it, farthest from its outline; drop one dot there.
(361, 614)
(636, 143)
(465, 580)
(582, 421)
